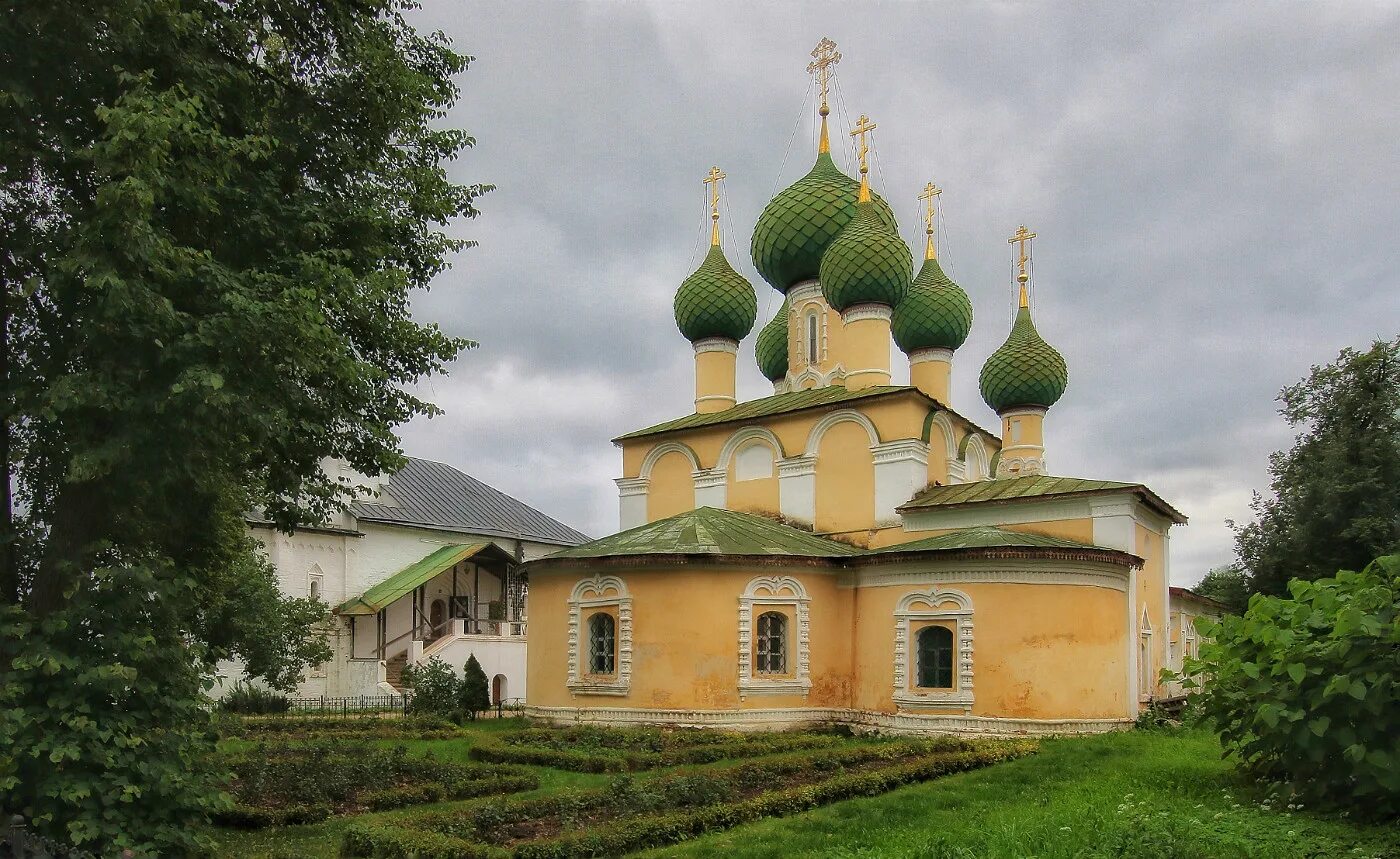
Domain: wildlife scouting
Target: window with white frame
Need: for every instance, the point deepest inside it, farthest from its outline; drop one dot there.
(933, 650)
(600, 637)
(774, 637)
(813, 338)
(316, 588)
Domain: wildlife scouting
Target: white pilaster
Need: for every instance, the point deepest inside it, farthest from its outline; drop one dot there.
(1113, 525)
(797, 488)
(710, 487)
(631, 501)
(901, 469)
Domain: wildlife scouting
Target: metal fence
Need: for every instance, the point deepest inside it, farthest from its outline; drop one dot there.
(360, 705)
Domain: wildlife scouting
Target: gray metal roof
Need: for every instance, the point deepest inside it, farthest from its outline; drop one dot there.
(435, 495)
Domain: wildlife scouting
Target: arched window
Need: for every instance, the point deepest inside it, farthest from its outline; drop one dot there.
(771, 654)
(812, 341)
(936, 657)
(602, 643)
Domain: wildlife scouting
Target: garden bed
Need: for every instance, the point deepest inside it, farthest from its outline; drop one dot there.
(635, 813)
(281, 784)
(600, 750)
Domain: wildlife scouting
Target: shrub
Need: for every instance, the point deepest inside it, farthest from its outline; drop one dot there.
(435, 687)
(253, 700)
(603, 750)
(475, 696)
(1303, 690)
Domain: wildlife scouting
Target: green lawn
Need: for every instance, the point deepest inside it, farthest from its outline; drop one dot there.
(1167, 796)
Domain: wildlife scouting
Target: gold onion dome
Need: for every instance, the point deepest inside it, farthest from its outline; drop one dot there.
(867, 263)
(771, 349)
(935, 314)
(715, 301)
(1025, 371)
(800, 222)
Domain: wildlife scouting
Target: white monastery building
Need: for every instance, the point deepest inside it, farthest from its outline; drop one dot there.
(426, 563)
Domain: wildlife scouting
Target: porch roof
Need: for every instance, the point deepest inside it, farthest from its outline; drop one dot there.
(420, 572)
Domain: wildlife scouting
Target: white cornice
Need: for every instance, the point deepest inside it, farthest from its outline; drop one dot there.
(716, 344)
(862, 312)
(931, 353)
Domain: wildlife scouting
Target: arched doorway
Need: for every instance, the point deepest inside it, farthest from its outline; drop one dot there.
(437, 616)
(498, 689)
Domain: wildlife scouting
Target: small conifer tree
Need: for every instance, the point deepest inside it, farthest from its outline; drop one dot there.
(476, 698)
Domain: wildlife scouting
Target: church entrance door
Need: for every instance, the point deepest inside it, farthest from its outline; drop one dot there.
(437, 617)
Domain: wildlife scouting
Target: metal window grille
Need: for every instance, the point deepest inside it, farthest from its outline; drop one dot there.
(936, 657)
(602, 643)
(772, 643)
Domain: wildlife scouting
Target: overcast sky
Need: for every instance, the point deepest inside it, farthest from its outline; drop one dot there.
(1216, 189)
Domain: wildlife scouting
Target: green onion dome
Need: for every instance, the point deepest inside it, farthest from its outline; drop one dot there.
(935, 314)
(867, 263)
(797, 225)
(1025, 371)
(771, 350)
(715, 301)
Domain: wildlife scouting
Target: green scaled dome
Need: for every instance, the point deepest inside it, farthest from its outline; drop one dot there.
(935, 314)
(798, 224)
(1025, 371)
(771, 350)
(715, 301)
(867, 263)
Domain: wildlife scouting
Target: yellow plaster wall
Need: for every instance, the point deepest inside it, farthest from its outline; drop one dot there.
(685, 640)
(933, 377)
(845, 479)
(749, 496)
(672, 487)
(867, 348)
(1039, 651)
(714, 377)
(1152, 594)
(834, 347)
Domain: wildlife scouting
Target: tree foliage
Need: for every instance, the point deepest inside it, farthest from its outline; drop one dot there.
(215, 212)
(475, 692)
(435, 687)
(1227, 586)
(1335, 497)
(1304, 689)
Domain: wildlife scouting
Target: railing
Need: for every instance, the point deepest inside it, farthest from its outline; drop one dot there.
(358, 705)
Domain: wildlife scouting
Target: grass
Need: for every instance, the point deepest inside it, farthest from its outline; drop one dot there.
(1139, 794)
(1168, 796)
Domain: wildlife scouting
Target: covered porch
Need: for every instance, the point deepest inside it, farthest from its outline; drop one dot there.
(457, 601)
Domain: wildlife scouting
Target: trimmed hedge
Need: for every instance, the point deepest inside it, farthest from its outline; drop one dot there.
(516, 748)
(283, 785)
(691, 811)
(320, 727)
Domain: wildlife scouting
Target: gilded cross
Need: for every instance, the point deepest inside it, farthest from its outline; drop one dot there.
(863, 127)
(1022, 236)
(712, 179)
(824, 56)
(929, 195)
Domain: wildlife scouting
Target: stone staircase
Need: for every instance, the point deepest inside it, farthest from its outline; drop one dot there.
(393, 670)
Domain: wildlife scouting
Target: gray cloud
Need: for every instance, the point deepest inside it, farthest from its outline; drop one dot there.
(1215, 193)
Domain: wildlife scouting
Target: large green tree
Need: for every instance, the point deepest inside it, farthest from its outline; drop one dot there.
(1334, 502)
(214, 214)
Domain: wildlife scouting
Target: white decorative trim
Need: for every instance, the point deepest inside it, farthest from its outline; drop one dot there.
(901, 469)
(805, 290)
(812, 374)
(1024, 412)
(931, 353)
(941, 420)
(797, 488)
(905, 693)
(593, 592)
(716, 344)
(775, 591)
(865, 311)
(784, 718)
(631, 501)
(744, 435)
(1088, 574)
(708, 398)
(711, 487)
(976, 463)
(831, 419)
(654, 455)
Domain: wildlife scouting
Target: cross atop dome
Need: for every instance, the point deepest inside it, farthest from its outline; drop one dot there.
(824, 56)
(929, 195)
(863, 127)
(712, 179)
(1021, 237)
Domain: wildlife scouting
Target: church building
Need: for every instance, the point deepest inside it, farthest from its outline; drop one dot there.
(848, 550)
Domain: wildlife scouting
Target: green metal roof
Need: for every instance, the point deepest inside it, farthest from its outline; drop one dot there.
(771, 348)
(797, 225)
(768, 406)
(710, 531)
(420, 572)
(1025, 371)
(715, 301)
(987, 537)
(935, 314)
(867, 262)
(1033, 486)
